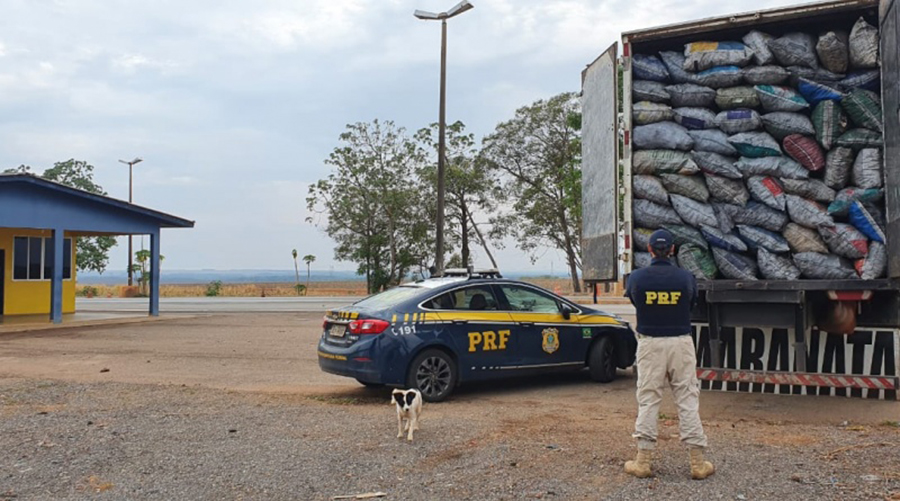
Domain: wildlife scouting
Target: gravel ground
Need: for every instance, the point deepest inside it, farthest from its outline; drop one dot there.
(238, 428)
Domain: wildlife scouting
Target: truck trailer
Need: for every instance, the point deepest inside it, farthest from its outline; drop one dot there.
(798, 335)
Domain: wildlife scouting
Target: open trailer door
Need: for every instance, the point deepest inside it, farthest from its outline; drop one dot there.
(889, 14)
(599, 168)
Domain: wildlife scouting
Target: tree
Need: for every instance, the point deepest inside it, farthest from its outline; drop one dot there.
(373, 203)
(296, 271)
(142, 266)
(308, 259)
(538, 153)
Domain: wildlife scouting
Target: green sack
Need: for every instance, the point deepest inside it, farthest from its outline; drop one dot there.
(829, 121)
(864, 109)
(698, 261)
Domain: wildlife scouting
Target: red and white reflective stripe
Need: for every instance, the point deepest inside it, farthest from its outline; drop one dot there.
(802, 379)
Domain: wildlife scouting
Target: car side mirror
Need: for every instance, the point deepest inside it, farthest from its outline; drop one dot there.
(566, 311)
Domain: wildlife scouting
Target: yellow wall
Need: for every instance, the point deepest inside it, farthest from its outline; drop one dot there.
(31, 297)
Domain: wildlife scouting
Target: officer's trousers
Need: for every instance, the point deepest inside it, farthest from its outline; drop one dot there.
(672, 362)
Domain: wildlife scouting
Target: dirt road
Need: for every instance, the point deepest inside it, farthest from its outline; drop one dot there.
(169, 393)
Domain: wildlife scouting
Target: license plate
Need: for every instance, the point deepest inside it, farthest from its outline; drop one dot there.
(337, 330)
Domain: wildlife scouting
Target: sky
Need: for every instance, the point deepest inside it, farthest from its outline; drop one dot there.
(235, 104)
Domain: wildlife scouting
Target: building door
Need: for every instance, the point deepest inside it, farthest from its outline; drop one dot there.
(2, 277)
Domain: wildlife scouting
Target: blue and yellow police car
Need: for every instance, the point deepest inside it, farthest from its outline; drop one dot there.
(465, 326)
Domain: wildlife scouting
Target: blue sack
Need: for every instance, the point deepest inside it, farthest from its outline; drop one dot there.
(865, 223)
(649, 68)
(727, 241)
(868, 80)
(816, 92)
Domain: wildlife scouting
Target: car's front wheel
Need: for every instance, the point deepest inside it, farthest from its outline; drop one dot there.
(433, 372)
(602, 360)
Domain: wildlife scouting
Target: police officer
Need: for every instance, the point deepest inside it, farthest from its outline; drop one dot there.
(663, 296)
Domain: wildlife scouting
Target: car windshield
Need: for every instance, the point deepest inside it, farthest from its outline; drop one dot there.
(390, 297)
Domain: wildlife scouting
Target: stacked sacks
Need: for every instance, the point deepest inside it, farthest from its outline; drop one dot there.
(764, 155)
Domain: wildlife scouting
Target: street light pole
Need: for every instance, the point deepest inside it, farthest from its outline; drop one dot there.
(130, 165)
(442, 125)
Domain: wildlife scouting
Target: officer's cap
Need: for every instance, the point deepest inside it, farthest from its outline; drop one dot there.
(661, 240)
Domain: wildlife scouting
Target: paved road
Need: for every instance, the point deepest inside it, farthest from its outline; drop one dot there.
(244, 304)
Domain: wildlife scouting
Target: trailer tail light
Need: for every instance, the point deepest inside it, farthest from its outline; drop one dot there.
(368, 326)
(849, 295)
(627, 139)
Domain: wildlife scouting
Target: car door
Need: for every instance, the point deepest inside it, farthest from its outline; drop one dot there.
(478, 329)
(543, 336)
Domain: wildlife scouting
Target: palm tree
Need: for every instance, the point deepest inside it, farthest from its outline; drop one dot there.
(296, 271)
(308, 259)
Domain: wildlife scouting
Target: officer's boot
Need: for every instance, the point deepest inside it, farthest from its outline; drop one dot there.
(700, 468)
(640, 467)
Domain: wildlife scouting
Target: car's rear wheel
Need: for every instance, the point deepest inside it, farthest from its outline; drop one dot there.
(602, 360)
(434, 373)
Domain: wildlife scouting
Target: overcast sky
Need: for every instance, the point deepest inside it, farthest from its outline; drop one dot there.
(234, 104)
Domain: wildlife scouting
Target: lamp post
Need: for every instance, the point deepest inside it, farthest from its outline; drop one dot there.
(442, 17)
(130, 165)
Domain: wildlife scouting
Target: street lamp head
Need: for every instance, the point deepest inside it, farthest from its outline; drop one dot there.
(455, 11)
(460, 8)
(135, 161)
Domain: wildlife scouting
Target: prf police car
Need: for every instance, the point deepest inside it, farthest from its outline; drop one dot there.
(438, 333)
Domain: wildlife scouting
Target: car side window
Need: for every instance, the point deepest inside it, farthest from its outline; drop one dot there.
(525, 299)
(478, 298)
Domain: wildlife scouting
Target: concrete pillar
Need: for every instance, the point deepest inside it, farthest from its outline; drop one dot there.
(56, 285)
(154, 273)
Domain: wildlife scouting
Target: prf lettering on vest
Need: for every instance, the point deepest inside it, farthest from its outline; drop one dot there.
(660, 297)
(488, 340)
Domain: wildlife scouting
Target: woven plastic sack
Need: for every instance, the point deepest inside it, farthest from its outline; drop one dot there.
(865, 222)
(714, 163)
(652, 215)
(693, 212)
(712, 140)
(761, 238)
(845, 240)
(782, 167)
(691, 95)
(819, 75)
(759, 44)
(833, 49)
(698, 261)
(845, 198)
(735, 266)
(661, 136)
(867, 79)
(720, 76)
(663, 162)
(824, 266)
(737, 121)
(641, 237)
(781, 124)
(731, 98)
(775, 267)
(806, 151)
(795, 49)
(646, 112)
(873, 265)
(684, 235)
(860, 138)
(815, 92)
(812, 189)
(802, 239)
(829, 121)
(727, 241)
(877, 212)
(863, 45)
(864, 109)
(648, 90)
(642, 259)
(837, 167)
(695, 118)
(687, 186)
(765, 75)
(757, 214)
(650, 188)
(674, 63)
(730, 191)
(755, 144)
(779, 98)
(725, 214)
(701, 56)
(647, 67)
(867, 170)
(807, 213)
(766, 190)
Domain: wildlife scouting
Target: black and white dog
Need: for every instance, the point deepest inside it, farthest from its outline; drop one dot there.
(409, 408)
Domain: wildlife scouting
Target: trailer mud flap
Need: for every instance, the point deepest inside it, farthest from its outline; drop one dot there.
(761, 360)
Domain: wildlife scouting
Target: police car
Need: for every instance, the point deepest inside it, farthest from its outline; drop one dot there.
(465, 326)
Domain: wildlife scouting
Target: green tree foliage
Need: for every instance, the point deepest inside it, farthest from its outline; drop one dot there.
(142, 266)
(309, 259)
(538, 155)
(374, 204)
(92, 252)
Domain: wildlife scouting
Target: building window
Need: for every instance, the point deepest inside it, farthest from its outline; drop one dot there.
(32, 258)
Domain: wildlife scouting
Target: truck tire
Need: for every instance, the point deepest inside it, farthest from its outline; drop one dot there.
(433, 372)
(602, 360)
